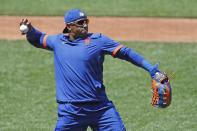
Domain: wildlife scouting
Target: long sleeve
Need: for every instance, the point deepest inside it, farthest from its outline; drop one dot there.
(35, 38)
(135, 58)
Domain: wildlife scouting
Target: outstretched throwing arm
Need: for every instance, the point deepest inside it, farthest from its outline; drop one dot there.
(35, 37)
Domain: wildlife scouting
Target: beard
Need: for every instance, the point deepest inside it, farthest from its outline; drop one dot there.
(81, 33)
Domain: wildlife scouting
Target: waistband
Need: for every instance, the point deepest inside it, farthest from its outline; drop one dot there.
(81, 102)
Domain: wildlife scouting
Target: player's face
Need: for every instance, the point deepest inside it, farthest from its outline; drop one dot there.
(79, 28)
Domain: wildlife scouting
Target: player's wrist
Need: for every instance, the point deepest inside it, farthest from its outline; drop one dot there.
(154, 70)
(147, 65)
(150, 68)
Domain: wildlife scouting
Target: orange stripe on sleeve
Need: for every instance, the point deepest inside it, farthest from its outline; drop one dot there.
(45, 42)
(116, 50)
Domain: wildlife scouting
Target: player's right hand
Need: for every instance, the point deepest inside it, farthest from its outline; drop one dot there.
(25, 21)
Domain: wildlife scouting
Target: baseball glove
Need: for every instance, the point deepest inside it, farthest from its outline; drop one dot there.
(162, 93)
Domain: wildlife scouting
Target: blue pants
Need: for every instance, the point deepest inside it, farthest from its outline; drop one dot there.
(73, 118)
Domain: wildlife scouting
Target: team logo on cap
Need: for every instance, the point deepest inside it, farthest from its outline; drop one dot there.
(81, 13)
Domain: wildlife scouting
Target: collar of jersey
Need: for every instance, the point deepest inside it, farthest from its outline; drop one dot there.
(65, 39)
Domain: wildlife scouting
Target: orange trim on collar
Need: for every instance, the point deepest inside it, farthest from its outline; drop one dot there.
(116, 50)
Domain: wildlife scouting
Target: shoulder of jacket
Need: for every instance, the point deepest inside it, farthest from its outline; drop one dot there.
(96, 35)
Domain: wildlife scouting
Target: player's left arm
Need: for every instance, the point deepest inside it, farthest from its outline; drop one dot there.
(130, 55)
(119, 51)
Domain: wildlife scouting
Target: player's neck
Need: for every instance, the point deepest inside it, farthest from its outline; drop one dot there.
(73, 37)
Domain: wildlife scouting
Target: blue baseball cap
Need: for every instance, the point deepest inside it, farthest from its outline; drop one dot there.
(73, 15)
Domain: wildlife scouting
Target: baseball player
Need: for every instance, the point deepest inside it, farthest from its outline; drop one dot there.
(78, 61)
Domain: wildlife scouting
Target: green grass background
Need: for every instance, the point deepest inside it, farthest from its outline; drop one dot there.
(27, 87)
(27, 83)
(144, 8)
